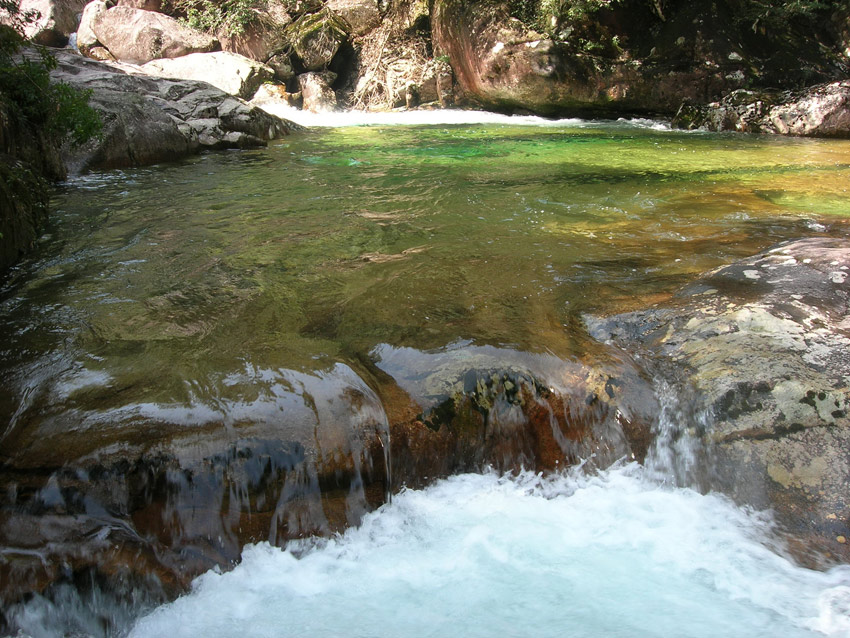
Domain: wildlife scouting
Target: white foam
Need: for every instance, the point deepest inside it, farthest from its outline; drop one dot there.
(435, 117)
(480, 555)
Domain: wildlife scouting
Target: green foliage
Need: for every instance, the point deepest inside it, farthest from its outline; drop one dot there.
(230, 17)
(760, 14)
(56, 109)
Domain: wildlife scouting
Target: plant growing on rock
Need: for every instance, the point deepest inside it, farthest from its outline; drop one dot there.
(56, 110)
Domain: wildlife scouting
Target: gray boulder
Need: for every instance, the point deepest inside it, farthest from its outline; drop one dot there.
(261, 37)
(148, 120)
(138, 36)
(361, 15)
(819, 111)
(232, 73)
(765, 345)
(316, 91)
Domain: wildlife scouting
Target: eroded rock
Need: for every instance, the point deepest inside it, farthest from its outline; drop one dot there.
(316, 91)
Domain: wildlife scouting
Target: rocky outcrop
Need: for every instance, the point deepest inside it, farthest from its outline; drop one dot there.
(149, 120)
(609, 57)
(230, 72)
(765, 344)
(57, 20)
(137, 36)
(820, 111)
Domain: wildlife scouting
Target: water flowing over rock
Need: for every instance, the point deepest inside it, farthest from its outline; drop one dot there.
(820, 111)
(150, 120)
(138, 36)
(764, 342)
(230, 72)
(57, 20)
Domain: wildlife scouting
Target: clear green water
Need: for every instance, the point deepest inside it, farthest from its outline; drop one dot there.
(158, 284)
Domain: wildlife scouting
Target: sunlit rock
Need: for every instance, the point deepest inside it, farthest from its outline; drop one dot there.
(768, 357)
(138, 36)
(230, 72)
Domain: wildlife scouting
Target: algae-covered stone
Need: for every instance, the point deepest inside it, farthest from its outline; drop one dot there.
(316, 38)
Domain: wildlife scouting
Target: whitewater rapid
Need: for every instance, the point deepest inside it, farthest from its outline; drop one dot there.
(608, 555)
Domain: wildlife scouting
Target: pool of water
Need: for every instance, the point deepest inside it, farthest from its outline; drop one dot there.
(256, 286)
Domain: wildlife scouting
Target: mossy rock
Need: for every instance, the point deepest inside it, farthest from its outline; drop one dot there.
(316, 38)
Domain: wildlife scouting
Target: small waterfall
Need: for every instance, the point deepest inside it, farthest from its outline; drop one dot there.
(678, 455)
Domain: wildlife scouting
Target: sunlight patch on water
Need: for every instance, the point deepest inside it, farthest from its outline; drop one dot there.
(483, 555)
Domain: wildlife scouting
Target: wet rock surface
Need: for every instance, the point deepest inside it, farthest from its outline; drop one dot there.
(148, 120)
(166, 491)
(819, 111)
(764, 343)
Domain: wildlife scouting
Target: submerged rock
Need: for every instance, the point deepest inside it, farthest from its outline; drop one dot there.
(148, 120)
(765, 343)
(819, 111)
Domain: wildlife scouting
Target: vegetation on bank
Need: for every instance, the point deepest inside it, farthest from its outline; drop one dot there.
(37, 116)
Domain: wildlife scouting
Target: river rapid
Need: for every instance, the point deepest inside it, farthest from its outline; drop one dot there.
(294, 293)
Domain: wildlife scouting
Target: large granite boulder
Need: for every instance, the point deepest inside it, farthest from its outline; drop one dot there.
(316, 38)
(150, 120)
(361, 15)
(138, 36)
(819, 111)
(317, 92)
(230, 72)
(57, 20)
(765, 345)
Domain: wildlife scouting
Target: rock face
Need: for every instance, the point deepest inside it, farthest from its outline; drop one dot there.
(625, 56)
(58, 19)
(149, 120)
(230, 72)
(765, 344)
(138, 36)
(261, 38)
(820, 111)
